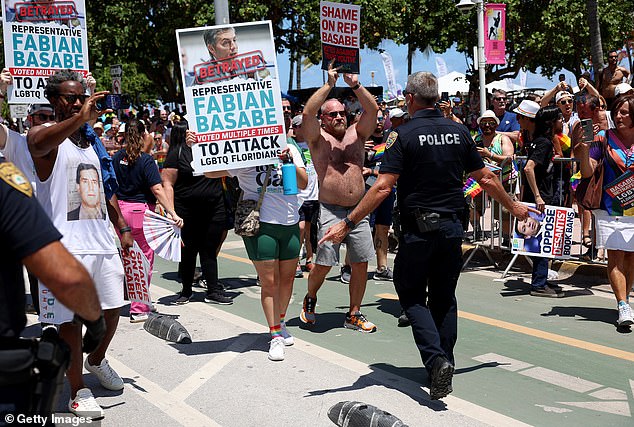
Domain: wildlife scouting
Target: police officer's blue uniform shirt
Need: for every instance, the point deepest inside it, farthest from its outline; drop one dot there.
(508, 123)
(24, 229)
(431, 154)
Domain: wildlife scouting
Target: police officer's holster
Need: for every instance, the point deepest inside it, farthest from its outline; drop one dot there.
(32, 373)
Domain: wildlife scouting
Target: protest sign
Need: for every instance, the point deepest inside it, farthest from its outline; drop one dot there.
(39, 39)
(116, 73)
(339, 27)
(232, 94)
(622, 189)
(547, 235)
(136, 267)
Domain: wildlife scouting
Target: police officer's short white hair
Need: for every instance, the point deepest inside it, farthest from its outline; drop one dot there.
(423, 85)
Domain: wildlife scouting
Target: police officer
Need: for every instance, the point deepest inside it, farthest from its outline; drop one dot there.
(28, 237)
(427, 157)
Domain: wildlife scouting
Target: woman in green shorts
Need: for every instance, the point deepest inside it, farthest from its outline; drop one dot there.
(275, 250)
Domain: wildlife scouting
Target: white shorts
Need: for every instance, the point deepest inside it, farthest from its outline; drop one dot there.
(614, 232)
(107, 273)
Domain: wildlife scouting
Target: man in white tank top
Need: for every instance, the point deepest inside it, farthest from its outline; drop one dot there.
(70, 187)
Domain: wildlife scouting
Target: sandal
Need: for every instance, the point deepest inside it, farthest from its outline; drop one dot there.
(308, 266)
(587, 241)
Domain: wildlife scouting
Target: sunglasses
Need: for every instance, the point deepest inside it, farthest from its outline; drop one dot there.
(45, 117)
(380, 119)
(72, 98)
(565, 101)
(334, 114)
(485, 124)
(286, 108)
(158, 138)
(499, 98)
(612, 57)
(603, 107)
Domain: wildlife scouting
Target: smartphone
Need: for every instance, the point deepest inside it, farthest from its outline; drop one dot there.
(588, 132)
(444, 96)
(113, 102)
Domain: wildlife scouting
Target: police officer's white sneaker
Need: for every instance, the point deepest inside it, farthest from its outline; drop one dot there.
(106, 375)
(85, 405)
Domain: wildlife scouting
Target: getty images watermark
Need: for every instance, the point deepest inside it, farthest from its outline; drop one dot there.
(54, 419)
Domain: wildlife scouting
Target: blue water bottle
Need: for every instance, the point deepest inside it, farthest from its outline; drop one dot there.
(289, 177)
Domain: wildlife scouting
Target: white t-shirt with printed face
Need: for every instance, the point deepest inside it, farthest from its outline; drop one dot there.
(277, 208)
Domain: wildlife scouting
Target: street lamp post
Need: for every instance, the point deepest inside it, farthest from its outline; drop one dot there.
(465, 7)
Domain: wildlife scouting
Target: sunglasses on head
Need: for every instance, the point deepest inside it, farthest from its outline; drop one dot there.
(45, 117)
(72, 98)
(334, 114)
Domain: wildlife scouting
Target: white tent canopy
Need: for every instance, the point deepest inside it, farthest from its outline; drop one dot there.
(505, 85)
(453, 82)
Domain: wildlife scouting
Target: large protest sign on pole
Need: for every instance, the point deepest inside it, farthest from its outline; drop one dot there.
(233, 96)
(547, 235)
(39, 39)
(339, 27)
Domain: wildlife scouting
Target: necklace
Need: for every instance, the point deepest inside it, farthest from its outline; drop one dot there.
(80, 140)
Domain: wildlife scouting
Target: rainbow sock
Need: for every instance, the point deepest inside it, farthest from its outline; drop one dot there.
(276, 331)
(282, 316)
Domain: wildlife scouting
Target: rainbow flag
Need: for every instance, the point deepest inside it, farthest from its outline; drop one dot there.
(379, 150)
(564, 142)
(471, 188)
(575, 180)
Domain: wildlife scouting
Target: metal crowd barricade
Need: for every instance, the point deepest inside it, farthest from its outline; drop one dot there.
(496, 224)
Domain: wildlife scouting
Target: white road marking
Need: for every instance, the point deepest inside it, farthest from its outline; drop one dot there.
(404, 385)
(617, 408)
(610, 394)
(554, 409)
(504, 362)
(171, 405)
(560, 379)
(188, 386)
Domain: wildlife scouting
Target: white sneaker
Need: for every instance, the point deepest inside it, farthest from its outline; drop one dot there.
(276, 349)
(138, 317)
(288, 338)
(85, 405)
(106, 375)
(625, 315)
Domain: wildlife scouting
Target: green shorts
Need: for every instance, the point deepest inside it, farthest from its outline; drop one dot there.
(274, 241)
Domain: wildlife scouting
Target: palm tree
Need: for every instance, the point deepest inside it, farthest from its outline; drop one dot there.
(595, 36)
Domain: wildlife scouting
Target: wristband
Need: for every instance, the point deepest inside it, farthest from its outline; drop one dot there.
(357, 86)
(125, 230)
(349, 223)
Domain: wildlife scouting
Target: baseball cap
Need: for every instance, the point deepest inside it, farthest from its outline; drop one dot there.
(527, 108)
(622, 88)
(562, 94)
(34, 108)
(488, 114)
(396, 113)
(297, 120)
(98, 125)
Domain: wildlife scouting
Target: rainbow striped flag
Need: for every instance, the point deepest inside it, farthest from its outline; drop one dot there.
(379, 150)
(471, 188)
(575, 180)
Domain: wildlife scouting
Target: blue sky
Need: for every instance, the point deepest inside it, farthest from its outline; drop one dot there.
(371, 61)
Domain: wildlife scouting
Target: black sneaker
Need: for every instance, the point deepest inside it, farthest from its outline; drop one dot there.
(346, 271)
(182, 300)
(557, 288)
(385, 274)
(403, 320)
(441, 376)
(218, 297)
(547, 292)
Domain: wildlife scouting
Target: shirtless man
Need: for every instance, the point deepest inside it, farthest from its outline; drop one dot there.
(610, 77)
(338, 153)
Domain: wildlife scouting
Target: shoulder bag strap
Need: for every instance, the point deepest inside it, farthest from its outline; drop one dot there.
(266, 184)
